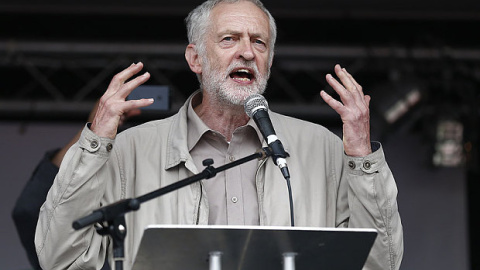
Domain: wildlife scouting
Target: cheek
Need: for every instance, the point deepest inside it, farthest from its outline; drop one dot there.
(264, 65)
(219, 61)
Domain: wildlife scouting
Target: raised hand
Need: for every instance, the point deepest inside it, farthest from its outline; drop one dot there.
(353, 110)
(113, 107)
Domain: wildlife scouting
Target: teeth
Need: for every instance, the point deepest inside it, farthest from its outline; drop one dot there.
(244, 70)
(243, 79)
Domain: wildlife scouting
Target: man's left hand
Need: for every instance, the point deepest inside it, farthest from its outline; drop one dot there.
(353, 110)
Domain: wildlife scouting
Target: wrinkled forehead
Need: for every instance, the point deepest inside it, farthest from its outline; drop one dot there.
(239, 16)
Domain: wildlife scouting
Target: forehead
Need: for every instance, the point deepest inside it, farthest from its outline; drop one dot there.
(239, 16)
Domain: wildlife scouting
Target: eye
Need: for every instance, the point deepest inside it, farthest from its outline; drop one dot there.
(228, 39)
(259, 42)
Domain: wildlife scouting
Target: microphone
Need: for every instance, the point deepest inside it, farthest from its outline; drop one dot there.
(256, 107)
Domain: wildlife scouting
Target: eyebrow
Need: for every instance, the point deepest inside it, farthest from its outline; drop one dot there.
(238, 33)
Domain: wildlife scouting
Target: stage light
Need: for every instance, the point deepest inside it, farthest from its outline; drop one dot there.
(448, 150)
(402, 105)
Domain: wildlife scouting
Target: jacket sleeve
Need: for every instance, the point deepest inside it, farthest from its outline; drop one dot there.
(77, 190)
(371, 202)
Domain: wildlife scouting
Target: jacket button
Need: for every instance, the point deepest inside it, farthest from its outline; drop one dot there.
(367, 165)
(109, 147)
(351, 164)
(94, 144)
(234, 199)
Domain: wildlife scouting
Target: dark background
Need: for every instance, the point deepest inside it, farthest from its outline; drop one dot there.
(57, 58)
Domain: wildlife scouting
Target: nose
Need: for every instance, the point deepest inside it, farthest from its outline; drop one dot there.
(245, 50)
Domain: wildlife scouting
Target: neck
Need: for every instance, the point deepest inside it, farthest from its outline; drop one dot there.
(223, 118)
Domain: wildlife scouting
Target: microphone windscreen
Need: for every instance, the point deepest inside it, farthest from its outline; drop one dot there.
(254, 103)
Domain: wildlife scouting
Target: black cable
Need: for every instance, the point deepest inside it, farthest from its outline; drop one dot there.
(290, 197)
(119, 265)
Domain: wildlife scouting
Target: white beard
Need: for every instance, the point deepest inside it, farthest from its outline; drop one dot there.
(218, 85)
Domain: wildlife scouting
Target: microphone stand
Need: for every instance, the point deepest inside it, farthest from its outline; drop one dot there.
(110, 219)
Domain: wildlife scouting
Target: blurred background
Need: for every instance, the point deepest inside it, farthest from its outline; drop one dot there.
(418, 59)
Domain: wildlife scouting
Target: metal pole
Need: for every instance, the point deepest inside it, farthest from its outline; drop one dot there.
(289, 260)
(215, 260)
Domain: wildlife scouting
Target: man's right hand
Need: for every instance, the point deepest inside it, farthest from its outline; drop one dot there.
(113, 106)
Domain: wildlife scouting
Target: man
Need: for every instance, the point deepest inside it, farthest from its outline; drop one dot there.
(335, 183)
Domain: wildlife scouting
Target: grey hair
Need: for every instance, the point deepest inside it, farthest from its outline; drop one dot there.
(197, 23)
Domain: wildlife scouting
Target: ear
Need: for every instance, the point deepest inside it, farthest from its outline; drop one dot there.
(193, 59)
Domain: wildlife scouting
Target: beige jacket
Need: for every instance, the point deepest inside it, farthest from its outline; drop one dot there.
(330, 189)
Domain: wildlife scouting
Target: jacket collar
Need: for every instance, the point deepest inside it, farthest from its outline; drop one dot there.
(177, 149)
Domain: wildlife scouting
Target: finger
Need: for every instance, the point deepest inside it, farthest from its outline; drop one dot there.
(342, 75)
(120, 78)
(132, 105)
(128, 87)
(333, 103)
(359, 89)
(345, 95)
(357, 85)
(367, 100)
(350, 84)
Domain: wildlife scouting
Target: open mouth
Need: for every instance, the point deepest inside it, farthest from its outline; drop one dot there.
(242, 75)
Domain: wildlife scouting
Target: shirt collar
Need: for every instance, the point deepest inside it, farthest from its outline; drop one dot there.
(196, 127)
